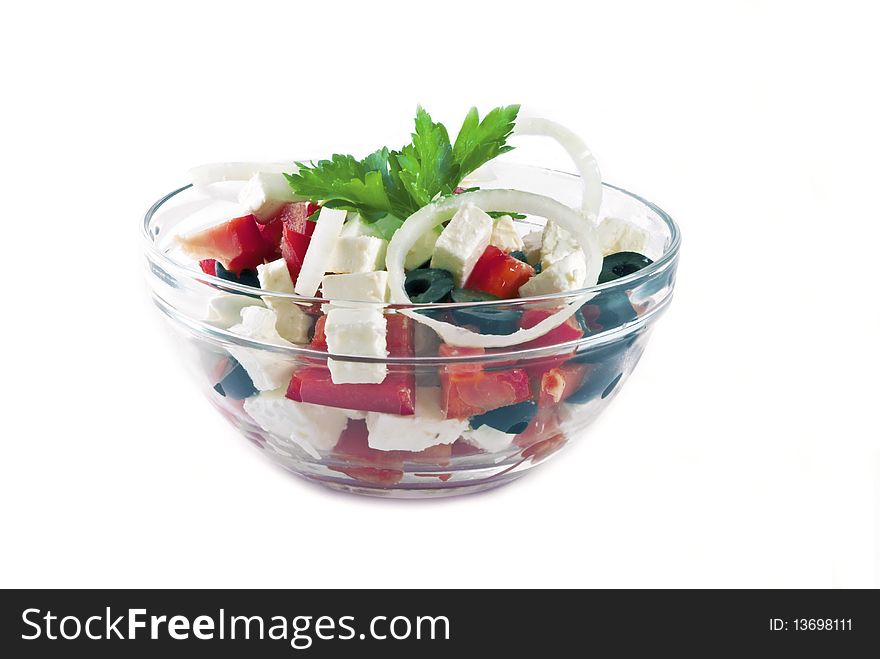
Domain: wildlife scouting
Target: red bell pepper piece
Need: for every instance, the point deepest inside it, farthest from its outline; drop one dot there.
(237, 244)
(499, 274)
(468, 389)
(570, 330)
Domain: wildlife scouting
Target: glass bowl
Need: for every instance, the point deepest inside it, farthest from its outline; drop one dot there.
(444, 421)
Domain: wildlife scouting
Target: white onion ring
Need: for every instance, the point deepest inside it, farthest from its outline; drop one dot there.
(583, 159)
(217, 172)
(428, 217)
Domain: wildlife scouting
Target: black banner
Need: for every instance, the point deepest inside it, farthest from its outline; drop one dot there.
(334, 623)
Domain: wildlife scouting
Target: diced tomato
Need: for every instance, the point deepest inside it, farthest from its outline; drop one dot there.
(468, 389)
(499, 274)
(400, 335)
(319, 338)
(237, 244)
(271, 233)
(556, 384)
(293, 248)
(570, 330)
(296, 216)
(208, 266)
(395, 395)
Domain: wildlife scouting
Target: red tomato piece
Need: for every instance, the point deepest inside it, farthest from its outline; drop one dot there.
(558, 383)
(271, 234)
(319, 338)
(499, 274)
(468, 389)
(237, 244)
(570, 330)
(296, 216)
(208, 266)
(395, 395)
(293, 249)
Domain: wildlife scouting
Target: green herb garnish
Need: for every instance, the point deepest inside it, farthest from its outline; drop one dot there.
(400, 182)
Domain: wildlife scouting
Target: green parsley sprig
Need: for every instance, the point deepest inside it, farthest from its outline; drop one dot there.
(400, 182)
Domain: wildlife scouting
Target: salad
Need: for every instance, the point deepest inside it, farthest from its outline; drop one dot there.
(341, 252)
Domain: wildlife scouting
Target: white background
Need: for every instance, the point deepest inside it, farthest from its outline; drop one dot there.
(744, 450)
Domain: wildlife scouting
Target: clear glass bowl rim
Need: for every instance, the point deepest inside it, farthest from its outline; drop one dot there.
(168, 264)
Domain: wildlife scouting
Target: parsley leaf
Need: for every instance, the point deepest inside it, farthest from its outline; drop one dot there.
(401, 182)
(496, 214)
(427, 166)
(480, 141)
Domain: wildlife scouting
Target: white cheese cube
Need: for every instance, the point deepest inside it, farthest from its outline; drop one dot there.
(463, 242)
(359, 332)
(357, 287)
(224, 309)
(505, 236)
(265, 193)
(292, 323)
(567, 274)
(532, 246)
(321, 248)
(274, 276)
(268, 370)
(556, 244)
(357, 254)
(355, 225)
(428, 427)
(312, 427)
(618, 235)
(487, 438)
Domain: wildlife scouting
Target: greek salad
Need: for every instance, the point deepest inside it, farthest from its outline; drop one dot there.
(343, 238)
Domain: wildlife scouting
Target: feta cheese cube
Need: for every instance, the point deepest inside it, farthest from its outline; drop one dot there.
(292, 322)
(355, 225)
(311, 427)
(567, 274)
(360, 332)
(618, 235)
(505, 236)
(428, 427)
(274, 276)
(463, 242)
(532, 246)
(268, 370)
(357, 254)
(224, 309)
(357, 287)
(487, 438)
(265, 193)
(556, 244)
